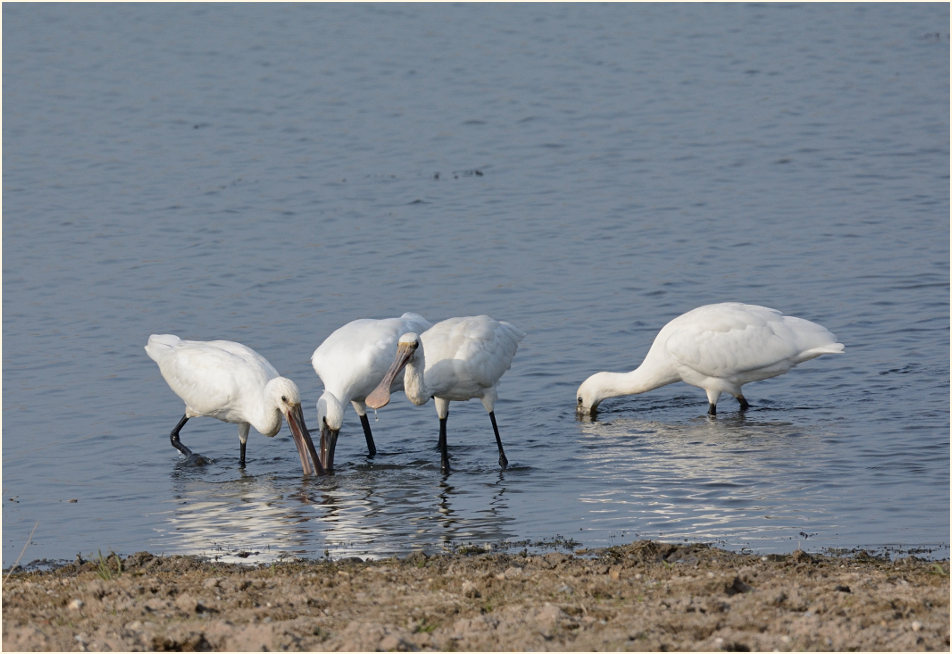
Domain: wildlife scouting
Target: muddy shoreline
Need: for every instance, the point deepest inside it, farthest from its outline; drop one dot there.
(644, 596)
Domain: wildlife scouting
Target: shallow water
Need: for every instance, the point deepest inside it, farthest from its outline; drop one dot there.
(266, 173)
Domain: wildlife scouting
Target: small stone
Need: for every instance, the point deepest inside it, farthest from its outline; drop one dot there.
(187, 603)
(469, 589)
(553, 559)
(916, 625)
(799, 556)
(547, 618)
(212, 582)
(76, 604)
(156, 604)
(394, 643)
(738, 586)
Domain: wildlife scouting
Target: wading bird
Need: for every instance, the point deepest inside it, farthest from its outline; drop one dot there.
(231, 382)
(717, 347)
(351, 362)
(457, 359)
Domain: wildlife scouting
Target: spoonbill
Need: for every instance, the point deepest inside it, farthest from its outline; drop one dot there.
(457, 359)
(350, 362)
(231, 382)
(717, 347)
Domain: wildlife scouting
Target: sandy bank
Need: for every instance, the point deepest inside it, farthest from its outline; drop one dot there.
(642, 596)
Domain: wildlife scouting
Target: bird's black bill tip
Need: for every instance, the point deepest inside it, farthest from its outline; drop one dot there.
(586, 415)
(328, 445)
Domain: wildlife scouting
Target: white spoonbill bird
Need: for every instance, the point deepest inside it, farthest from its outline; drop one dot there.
(231, 382)
(351, 362)
(454, 360)
(717, 347)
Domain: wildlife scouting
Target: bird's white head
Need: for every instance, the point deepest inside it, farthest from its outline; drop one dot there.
(409, 347)
(284, 393)
(589, 395)
(409, 340)
(330, 411)
(286, 398)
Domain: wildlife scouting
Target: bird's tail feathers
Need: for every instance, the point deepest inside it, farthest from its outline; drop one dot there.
(829, 348)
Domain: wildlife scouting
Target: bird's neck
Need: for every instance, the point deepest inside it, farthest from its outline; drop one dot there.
(643, 378)
(264, 416)
(414, 381)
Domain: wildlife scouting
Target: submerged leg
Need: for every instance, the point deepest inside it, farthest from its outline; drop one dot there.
(743, 402)
(444, 455)
(503, 461)
(442, 412)
(712, 397)
(174, 436)
(365, 423)
(242, 441)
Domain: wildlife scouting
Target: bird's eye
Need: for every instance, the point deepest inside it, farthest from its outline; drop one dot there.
(284, 398)
(580, 400)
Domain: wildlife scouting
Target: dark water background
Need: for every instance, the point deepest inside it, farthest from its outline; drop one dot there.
(266, 173)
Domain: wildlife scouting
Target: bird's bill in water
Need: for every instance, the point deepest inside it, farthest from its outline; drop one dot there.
(328, 445)
(380, 396)
(302, 439)
(582, 411)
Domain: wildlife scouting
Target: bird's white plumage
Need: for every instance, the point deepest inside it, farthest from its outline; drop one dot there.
(221, 379)
(456, 359)
(466, 356)
(351, 362)
(233, 383)
(742, 341)
(354, 358)
(717, 347)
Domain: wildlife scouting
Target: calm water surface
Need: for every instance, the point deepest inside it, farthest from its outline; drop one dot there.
(266, 173)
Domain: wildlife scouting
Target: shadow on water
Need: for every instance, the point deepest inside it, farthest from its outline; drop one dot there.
(358, 511)
(707, 477)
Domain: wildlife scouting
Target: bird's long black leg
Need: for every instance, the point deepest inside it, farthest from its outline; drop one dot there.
(503, 461)
(711, 409)
(365, 423)
(743, 402)
(444, 455)
(241, 457)
(174, 436)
